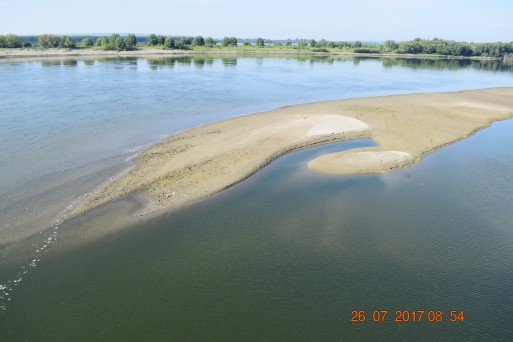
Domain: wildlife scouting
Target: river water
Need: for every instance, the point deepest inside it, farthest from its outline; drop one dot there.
(286, 255)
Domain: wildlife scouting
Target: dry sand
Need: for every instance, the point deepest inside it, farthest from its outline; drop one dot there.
(207, 159)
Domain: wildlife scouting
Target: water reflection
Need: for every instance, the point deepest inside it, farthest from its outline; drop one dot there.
(157, 62)
(50, 62)
(445, 64)
(68, 62)
(184, 60)
(229, 61)
(200, 61)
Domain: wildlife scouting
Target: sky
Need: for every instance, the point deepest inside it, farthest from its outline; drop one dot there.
(467, 20)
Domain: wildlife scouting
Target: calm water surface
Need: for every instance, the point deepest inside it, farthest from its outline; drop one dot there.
(285, 255)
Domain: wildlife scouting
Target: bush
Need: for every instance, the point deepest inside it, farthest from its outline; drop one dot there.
(48, 41)
(342, 45)
(130, 41)
(366, 50)
(169, 43)
(87, 42)
(198, 41)
(183, 43)
(259, 42)
(102, 43)
(229, 41)
(12, 41)
(390, 45)
(68, 42)
(27, 45)
(152, 40)
(116, 42)
(210, 42)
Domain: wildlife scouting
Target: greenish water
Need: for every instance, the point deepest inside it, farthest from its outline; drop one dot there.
(285, 255)
(288, 254)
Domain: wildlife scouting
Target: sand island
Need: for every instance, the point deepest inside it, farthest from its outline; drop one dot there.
(205, 160)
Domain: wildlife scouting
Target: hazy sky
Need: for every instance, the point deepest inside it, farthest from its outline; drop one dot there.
(470, 20)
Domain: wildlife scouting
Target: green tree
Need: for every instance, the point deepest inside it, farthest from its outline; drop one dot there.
(116, 42)
(210, 42)
(102, 43)
(357, 44)
(198, 41)
(302, 44)
(161, 40)
(342, 45)
(246, 43)
(229, 41)
(390, 45)
(288, 43)
(48, 41)
(12, 41)
(27, 44)
(169, 43)
(87, 42)
(313, 43)
(152, 40)
(183, 42)
(322, 44)
(130, 41)
(68, 42)
(259, 42)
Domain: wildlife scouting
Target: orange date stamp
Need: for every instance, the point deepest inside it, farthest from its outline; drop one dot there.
(407, 316)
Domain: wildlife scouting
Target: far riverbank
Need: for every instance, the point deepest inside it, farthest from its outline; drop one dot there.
(22, 54)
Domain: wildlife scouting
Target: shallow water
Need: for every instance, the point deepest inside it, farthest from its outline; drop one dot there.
(288, 254)
(285, 255)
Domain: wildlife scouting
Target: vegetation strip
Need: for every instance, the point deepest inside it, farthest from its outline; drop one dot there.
(117, 42)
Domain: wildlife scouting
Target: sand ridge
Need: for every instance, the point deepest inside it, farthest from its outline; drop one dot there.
(207, 159)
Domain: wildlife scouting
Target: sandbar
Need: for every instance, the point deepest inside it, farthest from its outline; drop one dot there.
(207, 159)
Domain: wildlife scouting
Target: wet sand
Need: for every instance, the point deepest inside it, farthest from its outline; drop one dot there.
(202, 161)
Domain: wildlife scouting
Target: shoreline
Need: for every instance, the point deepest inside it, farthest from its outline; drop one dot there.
(197, 163)
(21, 54)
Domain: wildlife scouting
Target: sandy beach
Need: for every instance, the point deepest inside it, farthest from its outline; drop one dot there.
(205, 160)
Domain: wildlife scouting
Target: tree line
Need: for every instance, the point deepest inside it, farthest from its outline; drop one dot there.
(439, 46)
(186, 42)
(45, 41)
(434, 46)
